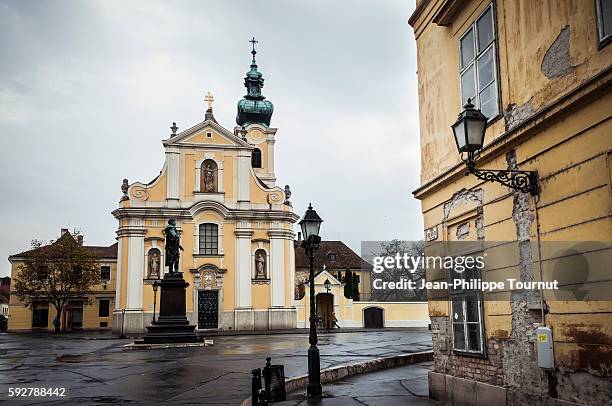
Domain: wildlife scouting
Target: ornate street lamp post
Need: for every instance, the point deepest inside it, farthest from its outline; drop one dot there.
(155, 287)
(310, 224)
(327, 285)
(469, 132)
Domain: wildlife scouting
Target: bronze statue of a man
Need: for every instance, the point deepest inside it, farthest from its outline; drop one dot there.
(172, 247)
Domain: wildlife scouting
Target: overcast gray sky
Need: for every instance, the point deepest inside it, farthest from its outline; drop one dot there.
(88, 90)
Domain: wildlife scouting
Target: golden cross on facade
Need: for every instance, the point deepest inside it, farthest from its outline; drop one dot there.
(209, 99)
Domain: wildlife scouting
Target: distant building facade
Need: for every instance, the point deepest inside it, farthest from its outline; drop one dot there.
(90, 313)
(336, 263)
(540, 72)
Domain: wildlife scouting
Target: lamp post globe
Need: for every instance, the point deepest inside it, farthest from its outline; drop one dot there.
(327, 285)
(310, 223)
(469, 131)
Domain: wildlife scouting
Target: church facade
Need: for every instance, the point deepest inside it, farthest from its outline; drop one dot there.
(235, 225)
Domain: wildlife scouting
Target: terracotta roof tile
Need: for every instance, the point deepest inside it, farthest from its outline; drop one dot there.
(102, 252)
(344, 256)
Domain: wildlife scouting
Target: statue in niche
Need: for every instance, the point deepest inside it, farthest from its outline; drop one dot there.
(154, 263)
(209, 179)
(260, 265)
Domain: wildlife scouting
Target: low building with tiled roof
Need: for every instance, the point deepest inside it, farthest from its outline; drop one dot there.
(90, 313)
(336, 257)
(339, 304)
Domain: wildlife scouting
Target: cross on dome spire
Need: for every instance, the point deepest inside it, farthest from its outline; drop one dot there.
(253, 41)
(253, 108)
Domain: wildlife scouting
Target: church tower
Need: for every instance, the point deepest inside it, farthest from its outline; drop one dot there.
(235, 224)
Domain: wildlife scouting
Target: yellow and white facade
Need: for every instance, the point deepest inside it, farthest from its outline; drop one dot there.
(235, 226)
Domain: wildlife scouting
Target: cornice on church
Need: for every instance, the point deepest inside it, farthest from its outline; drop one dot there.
(176, 140)
(226, 213)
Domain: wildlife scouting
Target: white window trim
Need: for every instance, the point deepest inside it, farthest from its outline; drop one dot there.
(110, 273)
(196, 247)
(473, 27)
(603, 39)
(463, 296)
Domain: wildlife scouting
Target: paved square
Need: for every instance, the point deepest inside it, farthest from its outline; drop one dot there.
(100, 370)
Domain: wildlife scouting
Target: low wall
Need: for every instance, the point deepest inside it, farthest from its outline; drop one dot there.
(334, 374)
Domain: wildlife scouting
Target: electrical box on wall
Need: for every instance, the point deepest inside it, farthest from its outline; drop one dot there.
(546, 359)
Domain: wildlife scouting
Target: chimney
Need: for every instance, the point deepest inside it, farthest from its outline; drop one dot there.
(63, 231)
(299, 236)
(80, 239)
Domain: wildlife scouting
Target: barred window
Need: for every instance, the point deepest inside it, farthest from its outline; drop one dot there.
(209, 239)
(478, 68)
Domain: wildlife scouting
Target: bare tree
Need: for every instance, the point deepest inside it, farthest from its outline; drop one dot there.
(394, 274)
(56, 273)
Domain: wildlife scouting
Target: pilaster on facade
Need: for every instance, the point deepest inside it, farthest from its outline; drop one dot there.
(278, 237)
(173, 175)
(244, 175)
(120, 243)
(243, 233)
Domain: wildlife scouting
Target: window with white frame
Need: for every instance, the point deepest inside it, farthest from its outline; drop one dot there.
(478, 65)
(604, 20)
(105, 273)
(209, 239)
(466, 315)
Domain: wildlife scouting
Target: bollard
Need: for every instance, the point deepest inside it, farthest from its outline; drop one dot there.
(255, 386)
(274, 382)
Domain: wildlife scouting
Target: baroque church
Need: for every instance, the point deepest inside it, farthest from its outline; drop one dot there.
(235, 225)
(243, 262)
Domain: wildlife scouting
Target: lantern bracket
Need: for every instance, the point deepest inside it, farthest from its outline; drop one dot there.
(525, 181)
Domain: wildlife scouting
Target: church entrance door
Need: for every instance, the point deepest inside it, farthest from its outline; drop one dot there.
(325, 307)
(208, 309)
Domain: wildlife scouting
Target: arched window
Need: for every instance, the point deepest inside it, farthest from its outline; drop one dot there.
(209, 239)
(208, 176)
(256, 158)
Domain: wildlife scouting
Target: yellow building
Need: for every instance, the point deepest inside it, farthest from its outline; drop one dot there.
(540, 72)
(331, 261)
(93, 312)
(235, 225)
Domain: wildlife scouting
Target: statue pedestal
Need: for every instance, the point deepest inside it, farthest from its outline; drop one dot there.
(172, 325)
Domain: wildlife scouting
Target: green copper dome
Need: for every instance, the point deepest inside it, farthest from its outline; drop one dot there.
(253, 109)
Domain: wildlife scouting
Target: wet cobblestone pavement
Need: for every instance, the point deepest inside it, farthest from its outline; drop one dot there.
(101, 371)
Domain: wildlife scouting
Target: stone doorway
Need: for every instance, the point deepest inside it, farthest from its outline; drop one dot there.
(208, 309)
(373, 317)
(325, 308)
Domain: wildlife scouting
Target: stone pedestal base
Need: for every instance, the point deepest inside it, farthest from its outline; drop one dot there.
(172, 325)
(274, 318)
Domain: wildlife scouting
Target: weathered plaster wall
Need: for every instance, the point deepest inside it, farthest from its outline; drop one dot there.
(546, 51)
